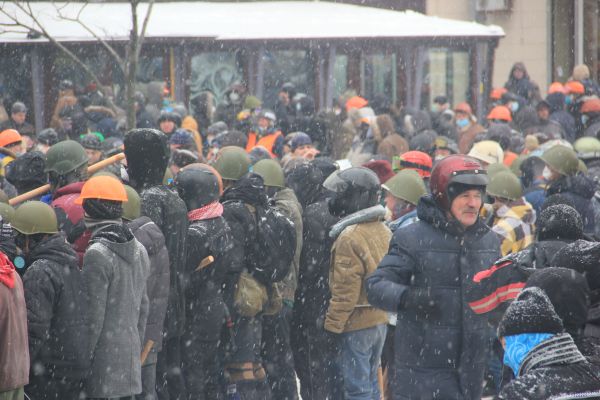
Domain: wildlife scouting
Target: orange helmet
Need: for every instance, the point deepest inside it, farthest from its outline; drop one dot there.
(9, 136)
(556, 87)
(102, 187)
(463, 107)
(496, 93)
(501, 113)
(418, 161)
(589, 106)
(356, 102)
(575, 87)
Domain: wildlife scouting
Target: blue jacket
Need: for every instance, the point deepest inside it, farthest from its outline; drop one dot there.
(442, 352)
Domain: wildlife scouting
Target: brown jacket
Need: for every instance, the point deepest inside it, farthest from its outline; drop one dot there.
(467, 137)
(14, 350)
(355, 254)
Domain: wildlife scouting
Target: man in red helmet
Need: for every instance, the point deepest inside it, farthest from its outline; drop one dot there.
(440, 344)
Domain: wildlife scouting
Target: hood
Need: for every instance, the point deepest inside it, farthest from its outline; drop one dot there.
(55, 249)
(367, 215)
(428, 211)
(519, 210)
(248, 189)
(109, 231)
(148, 234)
(520, 66)
(147, 154)
(580, 185)
(556, 101)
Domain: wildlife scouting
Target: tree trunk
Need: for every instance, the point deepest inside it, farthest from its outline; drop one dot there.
(131, 67)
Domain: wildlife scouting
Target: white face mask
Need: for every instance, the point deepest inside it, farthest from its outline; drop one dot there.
(547, 174)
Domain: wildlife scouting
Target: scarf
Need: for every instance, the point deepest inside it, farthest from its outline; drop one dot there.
(518, 347)
(559, 349)
(211, 210)
(7, 272)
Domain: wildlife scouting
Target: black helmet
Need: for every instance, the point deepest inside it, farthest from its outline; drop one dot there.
(91, 142)
(47, 136)
(354, 189)
(27, 172)
(198, 186)
(147, 156)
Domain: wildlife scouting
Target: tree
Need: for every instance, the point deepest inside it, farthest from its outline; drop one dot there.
(22, 18)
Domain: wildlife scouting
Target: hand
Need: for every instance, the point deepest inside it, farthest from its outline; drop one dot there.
(419, 299)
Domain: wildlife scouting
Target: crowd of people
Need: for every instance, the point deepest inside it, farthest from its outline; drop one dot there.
(239, 252)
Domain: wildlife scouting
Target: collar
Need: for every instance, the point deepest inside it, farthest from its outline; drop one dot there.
(559, 349)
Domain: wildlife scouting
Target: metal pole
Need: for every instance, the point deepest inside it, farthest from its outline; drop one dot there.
(579, 34)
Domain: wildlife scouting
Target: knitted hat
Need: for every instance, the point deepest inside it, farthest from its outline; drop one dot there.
(559, 221)
(181, 137)
(530, 312)
(383, 169)
(300, 139)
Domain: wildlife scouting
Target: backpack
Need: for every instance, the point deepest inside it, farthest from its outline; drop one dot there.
(272, 250)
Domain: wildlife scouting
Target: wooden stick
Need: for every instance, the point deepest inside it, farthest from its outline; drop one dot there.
(92, 169)
(380, 381)
(146, 350)
(205, 263)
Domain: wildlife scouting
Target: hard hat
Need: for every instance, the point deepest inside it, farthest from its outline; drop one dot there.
(496, 93)
(232, 163)
(132, 208)
(487, 151)
(356, 102)
(7, 212)
(417, 160)
(9, 136)
(495, 168)
(103, 188)
(505, 185)
(456, 168)
(64, 157)
(271, 172)
(35, 217)
(575, 87)
(587, 147)
(463, 107)
(406, 185)
(501, 113)
(589, 106)
(562, 159)
(557, 87)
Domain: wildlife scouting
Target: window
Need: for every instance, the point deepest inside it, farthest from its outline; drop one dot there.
(214, 71)
(379, 72)
(281, 66)
(446, 72)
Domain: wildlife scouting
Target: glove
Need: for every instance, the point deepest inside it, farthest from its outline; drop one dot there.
(421, 300)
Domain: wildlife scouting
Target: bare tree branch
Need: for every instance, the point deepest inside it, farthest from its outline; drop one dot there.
(144, 26)
(120, 61)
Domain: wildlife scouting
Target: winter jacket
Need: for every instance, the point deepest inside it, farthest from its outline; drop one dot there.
(115, 271)
(312, 294)
(70, 217)
(355, 254)
(567, 122)
(286, 201)
(205, 309)
(442, 350)
(593, 128)
(157, 286)
(24, 129)
(579, 190)
(164, 207)
(14, 354)
(467, 137)
(536, 194)
(514, 224)
(55, 312)
(343, 137)
(554, 369)
(523, 87)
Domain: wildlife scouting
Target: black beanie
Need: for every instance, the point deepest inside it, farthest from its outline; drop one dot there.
(559, 222)
(530, 312)
(568, 292)
(582, 256)
(103, 209)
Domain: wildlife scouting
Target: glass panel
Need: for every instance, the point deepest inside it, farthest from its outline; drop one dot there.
(283, 66)
(591, 33)
(379, 76)
(215, 72)
(15, 80)
(445, 73)
(340, 75)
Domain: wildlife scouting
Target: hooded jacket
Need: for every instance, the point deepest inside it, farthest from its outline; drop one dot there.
(157, 286)
(115, 271)
(514, 223)
(147, 156)
(441, 351)
(56, 313)
(14, 354)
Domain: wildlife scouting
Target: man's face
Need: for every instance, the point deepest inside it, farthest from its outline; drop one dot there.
(167, 126)
(263, 123)
(543, 113)
(518, 74)
(465, 207)
(16, 148)
(301, 150)
(284, 97)
(93, 156)
(19, 117)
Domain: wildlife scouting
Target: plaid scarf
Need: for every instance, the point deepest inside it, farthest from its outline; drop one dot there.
(211, 210)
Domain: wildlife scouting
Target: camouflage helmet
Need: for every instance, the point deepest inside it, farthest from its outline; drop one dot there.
(65, 157)
(271, 172)
(505, 185)
(131, 208)
(232, 163)
(35, 217)
(406, 185)
(561, 159)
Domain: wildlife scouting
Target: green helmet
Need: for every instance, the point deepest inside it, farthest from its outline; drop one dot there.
(587, 147)
(35, 217)
(65, 157)
(406, 185)
(562, 159)
(7, 212)
(271, 172)
(581, 167)
(252, 102)
(505, 185)
(515, 167)
(232, 163)
(494, 168)
(131, 208)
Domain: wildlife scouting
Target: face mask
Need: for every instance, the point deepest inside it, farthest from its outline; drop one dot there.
(584, 119)
(514, 106)
(435, 108)
(547, 174)
(462, 123)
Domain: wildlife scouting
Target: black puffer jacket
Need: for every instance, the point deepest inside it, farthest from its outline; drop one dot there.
(204, 298)
(441, 352)
(554, 369)
(147, 155)
(55, 310)
(579, 190)
(157, 286)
